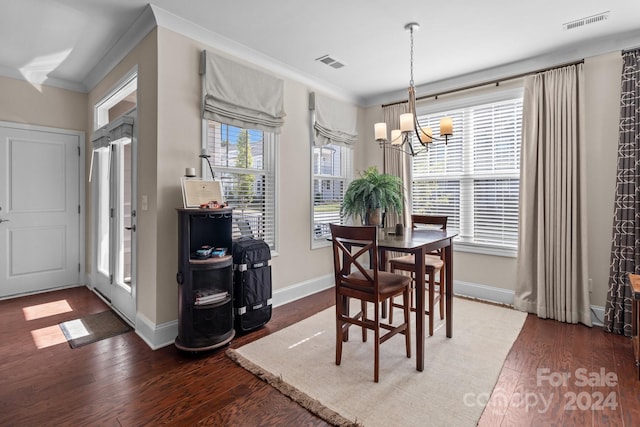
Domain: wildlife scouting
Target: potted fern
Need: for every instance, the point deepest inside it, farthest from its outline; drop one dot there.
(371, 195)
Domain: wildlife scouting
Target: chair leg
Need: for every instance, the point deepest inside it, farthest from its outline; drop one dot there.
(339, 330)
(345, 311)
(413, 293)
(390, 311)
(442, 290)
(431, 298)
(411, 306)
(363, 308)
(407, 319)
(376, 346)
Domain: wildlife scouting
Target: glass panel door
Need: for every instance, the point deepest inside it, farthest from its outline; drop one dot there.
(102, 217)
(124, 225)
(115, 223)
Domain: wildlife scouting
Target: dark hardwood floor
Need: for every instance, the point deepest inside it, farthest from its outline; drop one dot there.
(120, 381)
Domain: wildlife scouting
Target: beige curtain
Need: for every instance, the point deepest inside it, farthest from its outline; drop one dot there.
(552, 278)
(395, 162)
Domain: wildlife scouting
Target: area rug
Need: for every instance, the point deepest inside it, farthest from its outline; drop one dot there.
(92, 328)
(459, 375)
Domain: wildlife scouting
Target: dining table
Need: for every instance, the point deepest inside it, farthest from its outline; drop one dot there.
(420, 242)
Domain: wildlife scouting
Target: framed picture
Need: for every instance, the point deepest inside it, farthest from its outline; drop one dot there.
(196, 192)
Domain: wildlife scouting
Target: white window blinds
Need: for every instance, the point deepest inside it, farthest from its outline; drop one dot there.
(241, 96)
(332, 172)
(474, 179)
(243, 161)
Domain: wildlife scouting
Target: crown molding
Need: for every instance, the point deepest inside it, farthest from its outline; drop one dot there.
(142, 26)
(228, 46)
(575, 52)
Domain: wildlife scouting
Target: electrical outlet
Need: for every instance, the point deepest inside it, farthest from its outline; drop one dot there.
(590, 284)
(145, 203)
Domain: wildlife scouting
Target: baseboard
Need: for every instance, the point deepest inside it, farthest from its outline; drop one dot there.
(158, 336)
(483, 292)
(506, 296)
(597, 315)
(302, 289)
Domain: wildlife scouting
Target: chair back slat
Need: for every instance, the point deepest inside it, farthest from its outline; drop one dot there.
(347, 260)
(437, 220)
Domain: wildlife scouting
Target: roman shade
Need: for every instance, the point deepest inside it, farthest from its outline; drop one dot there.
(240, 96)
(334, 122)
(100, 138)
(121, 127)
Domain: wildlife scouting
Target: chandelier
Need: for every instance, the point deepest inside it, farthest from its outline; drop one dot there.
(409, 121)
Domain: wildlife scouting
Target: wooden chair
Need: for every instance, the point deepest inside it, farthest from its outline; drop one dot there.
(433, 263)
(353, 279)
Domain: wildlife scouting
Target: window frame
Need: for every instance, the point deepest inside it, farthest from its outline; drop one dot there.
(270, 156)
(347, 165)
(458, 103)
(127, 85)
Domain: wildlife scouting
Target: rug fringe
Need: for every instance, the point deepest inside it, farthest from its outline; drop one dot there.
(312, 405)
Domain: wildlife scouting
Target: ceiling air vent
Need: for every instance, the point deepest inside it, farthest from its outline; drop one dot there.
(586, 21)
(332, 62)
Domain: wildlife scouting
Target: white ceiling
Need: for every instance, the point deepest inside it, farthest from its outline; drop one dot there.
(65, 42)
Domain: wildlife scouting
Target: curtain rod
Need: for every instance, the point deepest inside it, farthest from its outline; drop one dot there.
(491, 82)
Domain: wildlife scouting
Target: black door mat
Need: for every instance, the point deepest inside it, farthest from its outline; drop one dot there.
(92, 328)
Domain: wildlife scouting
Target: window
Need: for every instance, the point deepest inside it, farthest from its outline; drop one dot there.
(332, 171)
(474, 179)
(243, 160)
(119, 101)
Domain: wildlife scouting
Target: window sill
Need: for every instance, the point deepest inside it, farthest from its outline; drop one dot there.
(484, 249)
(320, 243)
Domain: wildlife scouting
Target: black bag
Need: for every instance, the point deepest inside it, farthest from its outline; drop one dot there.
(251, 283)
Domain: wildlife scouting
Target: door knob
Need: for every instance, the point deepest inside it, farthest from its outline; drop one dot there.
(133, 227)
(3, 220)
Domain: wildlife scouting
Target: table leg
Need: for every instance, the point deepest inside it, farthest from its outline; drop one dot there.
(448, 267)
(420, 291)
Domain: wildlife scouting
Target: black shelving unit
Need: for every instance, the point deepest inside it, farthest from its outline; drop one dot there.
(208, 325)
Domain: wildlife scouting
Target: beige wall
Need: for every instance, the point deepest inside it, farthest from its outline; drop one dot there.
(26, 103)
(179, 144)
(602, 81)
(144, 56)
(169, 138)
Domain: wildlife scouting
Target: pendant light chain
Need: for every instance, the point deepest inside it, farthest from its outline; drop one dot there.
(411, 57)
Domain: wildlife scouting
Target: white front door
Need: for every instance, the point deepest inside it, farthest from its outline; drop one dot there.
(39, 209)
